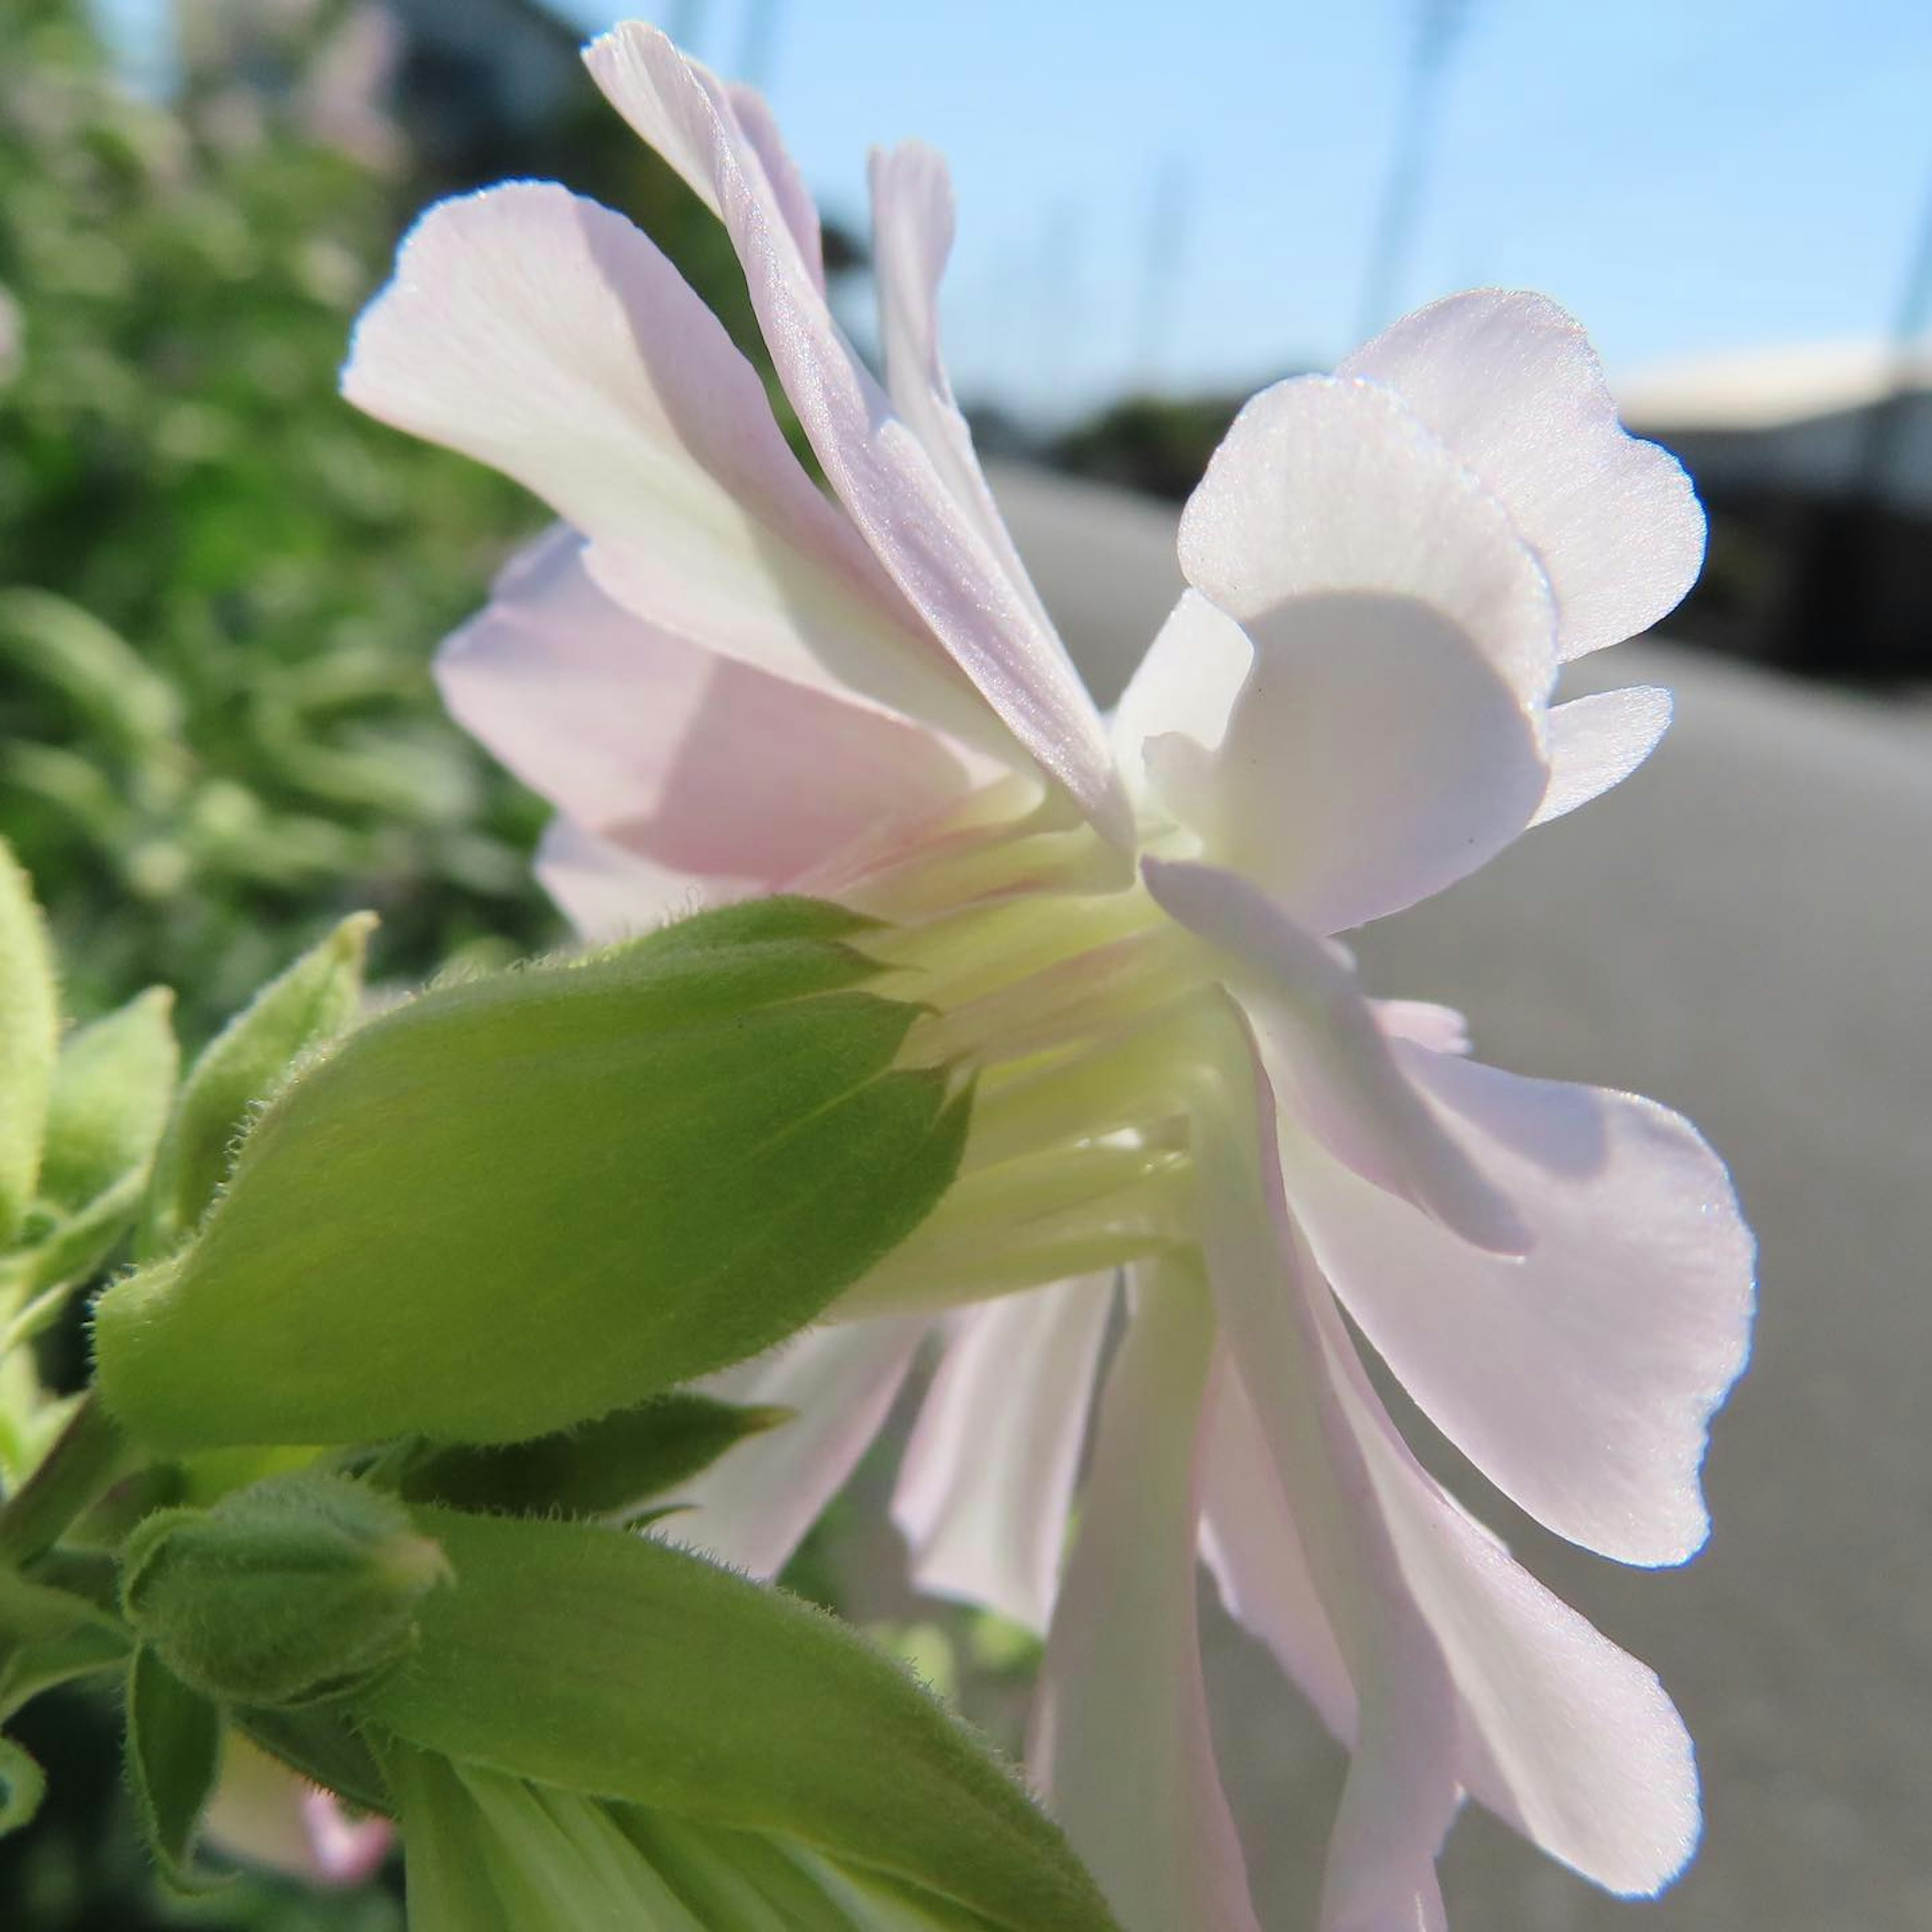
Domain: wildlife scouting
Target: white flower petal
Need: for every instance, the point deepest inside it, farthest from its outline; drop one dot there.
(752, 1507)
(607, 893)
(1120, 1748)
(1373, 757)
(1185, 685)
(987, 1481)
(789, 193)
(1325, 1047)
(1401, 1792)
(1324, 486)
(1441, 1029)
(878, 466)
(1565, 1736)
(711, 769)
(1250, 1542)
(1510, 382)
(539, 332)
(1581, 1379)
(912, 235)
(1597, 742)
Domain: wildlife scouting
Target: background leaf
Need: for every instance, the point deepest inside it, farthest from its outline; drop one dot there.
(29, 1026)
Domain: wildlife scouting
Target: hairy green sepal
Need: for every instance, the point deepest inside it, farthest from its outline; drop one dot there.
(307, 1005)
(511, 1206)
(608, 1469)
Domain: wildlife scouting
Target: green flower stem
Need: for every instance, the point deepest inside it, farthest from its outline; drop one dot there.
(88, 1454)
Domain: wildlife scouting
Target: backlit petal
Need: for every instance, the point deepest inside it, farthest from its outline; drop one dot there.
(704, 766)
(1402, 1791)
(878, 466)
(1250, 1541)
(1563, 1734)
(1185, 685)
(987, 1481)
(1373, 757)
(912, 235)
(1510, 383)
(1331, 1058)
(607, 893)
(1597, 742)
(539, 332)
(1120, 1748)
(1324, 486)
(752, 1507)
(1580, 1379)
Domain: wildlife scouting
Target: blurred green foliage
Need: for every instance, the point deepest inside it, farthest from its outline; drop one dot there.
(219, 586)
(1159, 444)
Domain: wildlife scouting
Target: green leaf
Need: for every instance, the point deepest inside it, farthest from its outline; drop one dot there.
(293, 1590)
(29, 1032)
(32, 1668)
(606, 1468)
(33, 1610)
(604, 1663)
(111, 1090)
(309, 1004)
(115, 690)
(174, 1757)
(511, 1206)
(22, 1785)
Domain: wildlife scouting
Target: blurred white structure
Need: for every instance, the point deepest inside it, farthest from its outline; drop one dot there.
(1801, 420)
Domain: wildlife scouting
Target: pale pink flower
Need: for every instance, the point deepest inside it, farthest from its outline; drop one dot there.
(729, 683)
(264, 1814)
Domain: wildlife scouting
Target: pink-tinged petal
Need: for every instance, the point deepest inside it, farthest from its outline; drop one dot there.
(987, 1481)
(1185, 685)
(912, 235)
(1581, 1379)
(1248, 1541)
(264, 1814)
(702, 765)
(879, 468)
(1401, 1792)
(1564, 1735)
(1373, 757)
(789, 193)
(540, 333)
(1597, 742)
(346, 1850)
(752, 1507)
(1332, 1059)
(1121, 1747)
(1324, 487)
(607, 893)
(1440, 1029)
(1510, 383)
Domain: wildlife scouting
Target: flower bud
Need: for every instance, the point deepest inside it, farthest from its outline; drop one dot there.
(295, 1589)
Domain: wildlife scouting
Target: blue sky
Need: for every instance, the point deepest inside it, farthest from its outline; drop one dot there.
(1688, 175)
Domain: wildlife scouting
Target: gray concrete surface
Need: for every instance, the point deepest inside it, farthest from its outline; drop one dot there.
(1744, 931)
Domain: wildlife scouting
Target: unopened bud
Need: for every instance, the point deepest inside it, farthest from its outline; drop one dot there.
(295, 1589)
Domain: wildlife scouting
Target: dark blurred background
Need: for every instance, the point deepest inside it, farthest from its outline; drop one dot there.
(220, 588)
